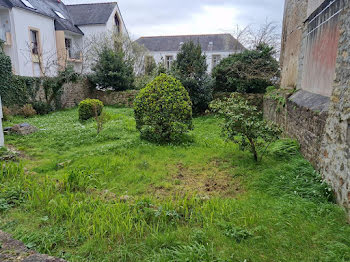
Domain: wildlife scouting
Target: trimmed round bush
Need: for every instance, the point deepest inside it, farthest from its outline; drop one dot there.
(88, 109)
(163, 110)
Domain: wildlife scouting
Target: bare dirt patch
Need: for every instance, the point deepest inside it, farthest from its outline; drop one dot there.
(207, 181)
(20, 154)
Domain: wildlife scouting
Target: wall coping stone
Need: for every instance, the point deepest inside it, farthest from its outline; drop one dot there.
(314, 102)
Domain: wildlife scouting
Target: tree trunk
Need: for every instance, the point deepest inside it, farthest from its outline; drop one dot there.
(255, 153)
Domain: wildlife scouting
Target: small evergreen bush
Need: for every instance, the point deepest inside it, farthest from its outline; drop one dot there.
(190, 68)
(163, 110)
(42, 108)
(89, 108)
(113, 71)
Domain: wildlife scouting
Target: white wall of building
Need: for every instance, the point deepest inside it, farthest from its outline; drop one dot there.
(160, 57)
(6, 25)
(96, 30)
(22, 21)
(111, 22)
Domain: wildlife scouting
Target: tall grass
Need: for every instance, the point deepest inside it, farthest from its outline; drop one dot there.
(67, 202)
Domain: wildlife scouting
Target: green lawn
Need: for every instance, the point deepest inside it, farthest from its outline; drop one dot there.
(200, 201)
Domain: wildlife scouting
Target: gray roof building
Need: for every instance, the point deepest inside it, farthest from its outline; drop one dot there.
(88, 14)
(75, 15)
(210, 42)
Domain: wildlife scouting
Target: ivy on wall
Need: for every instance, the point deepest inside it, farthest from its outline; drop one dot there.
(16, 90)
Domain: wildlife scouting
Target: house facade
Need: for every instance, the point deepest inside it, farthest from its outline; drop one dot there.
(164, 49)
(42, 36)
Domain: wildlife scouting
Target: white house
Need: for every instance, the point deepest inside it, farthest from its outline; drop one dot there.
(42, 36)
(164, 49)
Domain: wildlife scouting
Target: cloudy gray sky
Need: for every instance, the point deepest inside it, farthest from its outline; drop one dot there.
(172, 17)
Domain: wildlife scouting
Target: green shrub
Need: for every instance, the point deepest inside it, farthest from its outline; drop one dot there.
(15, 90)
(42, 108)
(270, 89)
(142, 81)
(249, 72)
(53, 85)
(113, 71)
(90, 108)
(163, 110)
(150, 65)
(245, 126)
(190, 68)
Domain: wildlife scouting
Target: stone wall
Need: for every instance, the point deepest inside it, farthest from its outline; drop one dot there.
(73, 93)
(303, 117)
(318, 114)
(123, 98)
(335, 149)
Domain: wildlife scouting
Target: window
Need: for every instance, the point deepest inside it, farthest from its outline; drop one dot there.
(117, 23)
(168, 61)
(27, 4)
(216, 60)
(68, 43)
(59, 15)
(34, 42)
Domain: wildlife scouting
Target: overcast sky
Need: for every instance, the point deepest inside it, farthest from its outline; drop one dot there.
(173, 17)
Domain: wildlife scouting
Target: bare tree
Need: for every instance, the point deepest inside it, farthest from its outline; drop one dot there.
(134, 52)
(242, 34)
(268, 33)
(252, 36)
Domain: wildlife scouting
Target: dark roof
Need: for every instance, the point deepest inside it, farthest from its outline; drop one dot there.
(47, 8)
(5, 3)
(220, 42)
(84, 14)
(90, 14)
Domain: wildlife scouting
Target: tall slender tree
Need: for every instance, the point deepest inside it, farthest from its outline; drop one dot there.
(190, 67)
